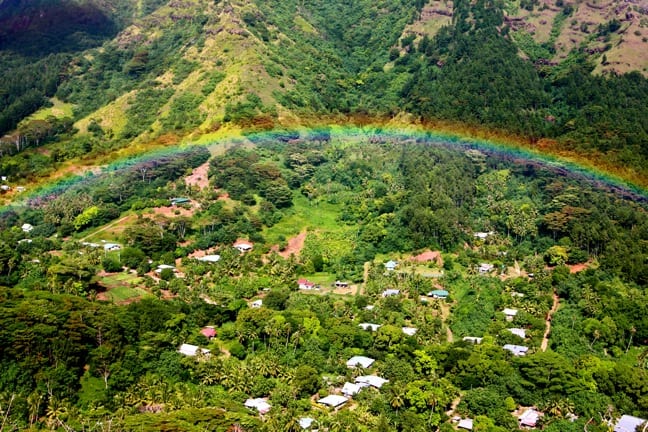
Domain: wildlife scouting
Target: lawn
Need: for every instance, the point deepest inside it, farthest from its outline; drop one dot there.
(123, 293)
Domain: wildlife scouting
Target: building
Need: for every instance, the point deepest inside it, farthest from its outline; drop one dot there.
(305, 284)
(628, 423)
(372, 380)
(180, 200)
(483, 235)
(334, 401)
(518, 332)
(438, 294)
(360, 361)
(27, 227)
(517, 350)
(510, 313)
(259, 404)
(485, 268)
(369, 326)
(340, 284)
(390, 292)
(466, 424)
(256, 304)
(409, 331)
(192, 350)
(243, 246)
(162, 267)
(472, 339)
(209, 258)
(108, 247)
(429, 256)
(369, 307)
(209, 332)
(306, 422)
(529, 418)
(350, 389)
(391, 265)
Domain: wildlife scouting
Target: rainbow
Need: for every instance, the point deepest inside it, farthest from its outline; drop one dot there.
(509, 151)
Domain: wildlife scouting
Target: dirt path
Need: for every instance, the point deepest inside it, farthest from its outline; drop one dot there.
(110, 225)
(453, 407)
(554, 308)
(199, 177)
(445, 314)
(362, 287)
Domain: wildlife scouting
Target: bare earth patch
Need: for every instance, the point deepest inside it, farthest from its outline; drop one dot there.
(174, 211)
(575, 268)
(295, 245)
(199, 177)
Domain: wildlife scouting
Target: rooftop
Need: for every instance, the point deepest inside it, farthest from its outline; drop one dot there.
(361, 361)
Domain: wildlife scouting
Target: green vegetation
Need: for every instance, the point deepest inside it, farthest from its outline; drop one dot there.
(94, 336)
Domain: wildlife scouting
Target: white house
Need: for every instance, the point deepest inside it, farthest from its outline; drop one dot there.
(164, 267)
(369, 326)
(259, 404)
(305, 284)
(27, 227)
(628, 423)
(369, 307)
(111, 247)
(360, 361)
(409, 331)
(333, 401)
(306, 422)
(209, 258)
(518, 332)
(391, 265)
(256, 304)
(466, 424)
(390, 292)
(243, 246)
(372, 380)
(350, 389)
(517, 350)
(472, 339)
(485, 268)
(192, 350)
(529, 418)
(510, 313)
(483, 235)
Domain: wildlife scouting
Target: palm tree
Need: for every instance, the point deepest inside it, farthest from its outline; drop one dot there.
(396, 399)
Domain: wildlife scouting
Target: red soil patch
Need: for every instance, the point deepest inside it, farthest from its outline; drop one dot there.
(575, 268)
(428, 256)
(199, 177)
(295, 245)
(170, 211)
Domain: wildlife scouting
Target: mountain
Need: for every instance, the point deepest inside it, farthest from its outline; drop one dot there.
(90, 77)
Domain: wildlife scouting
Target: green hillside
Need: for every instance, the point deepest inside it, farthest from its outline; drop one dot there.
(238, 215)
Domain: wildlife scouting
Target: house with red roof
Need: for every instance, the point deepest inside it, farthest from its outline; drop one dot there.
(209, 332)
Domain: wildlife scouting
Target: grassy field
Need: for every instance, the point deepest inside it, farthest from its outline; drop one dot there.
(319, 216)
(58, 109)
(121, 287)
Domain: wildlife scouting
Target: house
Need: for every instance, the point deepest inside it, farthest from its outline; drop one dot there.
(209, 332)
(340, 284)
(192, 350)
(333, 401)
(372, 380)
(350, 389)
(369, 326)
(424, 299)
(485, 268)
(256, 304)
(111, 247)
(259, 404)
(27, 227)
(429, 256)
(483, 235)
(529, 418)
(3, 178)
(628, 423)
(518, 332)
(390, 292)
(89, 244)
(517, 350)
(369, 307)
(180, 200)
(164, 267)
(510, 313)
(472, 339)
(360, 361)
(21, 189)
(306, 422)
(24, 241)
(438, 294)
(391, 265)
(409, 331)
(305, 284)
(466, 424)
(209, 258)
(5, 188)
(243, 246)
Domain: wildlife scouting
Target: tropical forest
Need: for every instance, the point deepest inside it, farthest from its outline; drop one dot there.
(307, 215)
